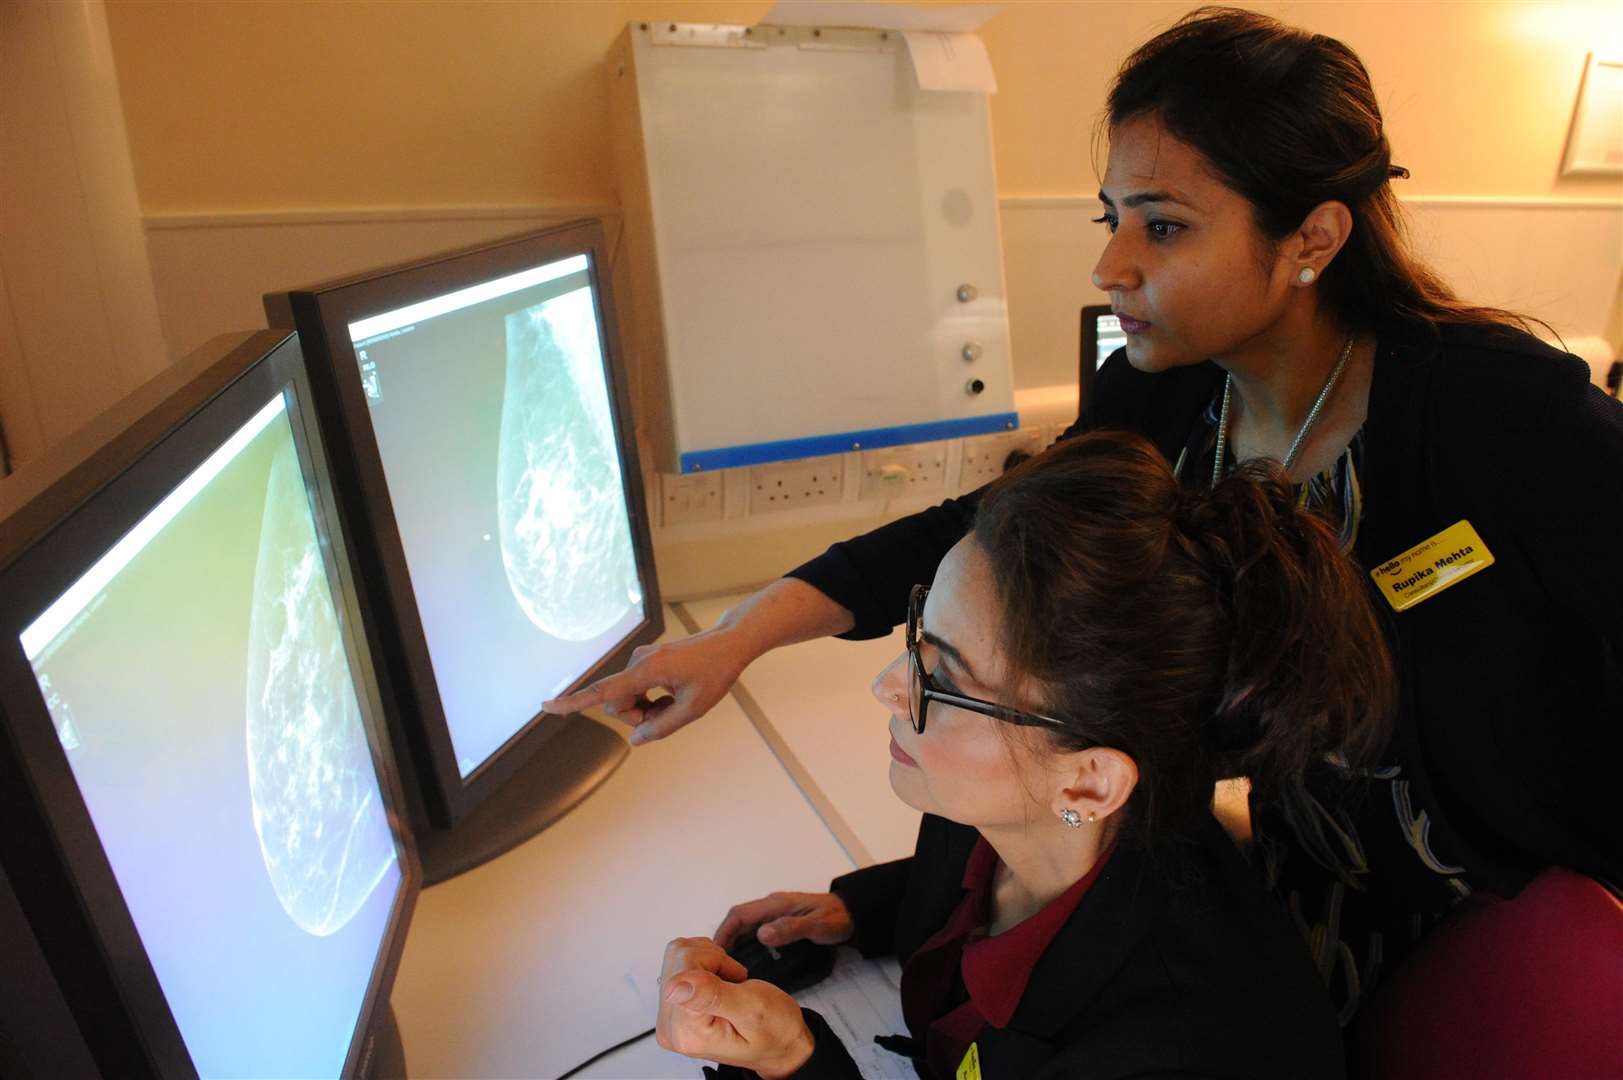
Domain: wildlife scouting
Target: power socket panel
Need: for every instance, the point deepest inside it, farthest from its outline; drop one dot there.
(984, 456)
(790, 485)
(917, 469)
(685, 498)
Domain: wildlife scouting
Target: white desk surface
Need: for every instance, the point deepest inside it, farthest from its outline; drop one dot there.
(534, 962)
(817, 696)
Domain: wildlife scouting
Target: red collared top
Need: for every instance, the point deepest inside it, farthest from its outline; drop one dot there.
(961, 980)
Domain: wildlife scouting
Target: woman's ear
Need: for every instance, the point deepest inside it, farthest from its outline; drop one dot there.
(1098, 781)
(1320, 238)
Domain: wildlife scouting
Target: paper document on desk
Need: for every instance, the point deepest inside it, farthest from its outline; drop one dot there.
(861, 999)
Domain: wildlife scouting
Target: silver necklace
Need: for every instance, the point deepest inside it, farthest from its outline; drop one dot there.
(1301, 434)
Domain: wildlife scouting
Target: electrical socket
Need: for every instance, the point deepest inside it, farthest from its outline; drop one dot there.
(789, 485)
(689, 497)
(984, 456)
(918, 469)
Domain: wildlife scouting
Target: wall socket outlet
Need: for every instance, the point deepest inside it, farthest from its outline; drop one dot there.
(689, 497)
(789, 485)
(918, 469)
(985, 455)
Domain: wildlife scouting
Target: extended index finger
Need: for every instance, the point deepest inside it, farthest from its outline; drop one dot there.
(620, 692)
(584, 698)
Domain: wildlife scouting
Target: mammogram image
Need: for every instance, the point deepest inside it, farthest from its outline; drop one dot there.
(565, 537)
(316, 805)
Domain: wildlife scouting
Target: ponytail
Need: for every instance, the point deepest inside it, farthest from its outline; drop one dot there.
(1307, 672)
(1205, 634)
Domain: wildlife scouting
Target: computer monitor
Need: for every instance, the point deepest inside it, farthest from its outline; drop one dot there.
(480, 417)
(1101, 335)
(205, 862)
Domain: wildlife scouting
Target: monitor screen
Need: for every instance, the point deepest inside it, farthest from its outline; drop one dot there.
(203, 688)
(493, 419)
(1108, 337)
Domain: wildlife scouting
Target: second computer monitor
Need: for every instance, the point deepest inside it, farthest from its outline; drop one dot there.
(484, 410)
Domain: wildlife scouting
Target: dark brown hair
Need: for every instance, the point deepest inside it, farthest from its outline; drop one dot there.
(1288, 120)
(1204, 634)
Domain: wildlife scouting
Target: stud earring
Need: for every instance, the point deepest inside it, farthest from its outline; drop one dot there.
(1071, 818)
(1307, 275)
(1091, 816)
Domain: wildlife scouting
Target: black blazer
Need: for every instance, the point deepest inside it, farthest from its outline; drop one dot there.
(1176, 965)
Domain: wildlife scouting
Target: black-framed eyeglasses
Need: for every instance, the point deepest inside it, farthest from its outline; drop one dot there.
(922, 688)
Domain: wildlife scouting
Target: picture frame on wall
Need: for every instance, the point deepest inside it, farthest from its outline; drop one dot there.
(1595, 140)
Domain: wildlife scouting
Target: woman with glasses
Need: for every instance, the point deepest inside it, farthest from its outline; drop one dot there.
(1090, 659)
(1275, 309)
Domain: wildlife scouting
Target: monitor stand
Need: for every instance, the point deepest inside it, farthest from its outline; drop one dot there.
(564, 770)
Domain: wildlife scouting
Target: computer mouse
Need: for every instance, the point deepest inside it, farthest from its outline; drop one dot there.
(789, 967)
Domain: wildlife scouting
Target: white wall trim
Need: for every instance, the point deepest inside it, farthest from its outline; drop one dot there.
(210, 219)
(360, 215)
(1445, 202)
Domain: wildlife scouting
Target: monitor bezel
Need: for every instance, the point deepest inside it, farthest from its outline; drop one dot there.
(93, 496)
(323, 313)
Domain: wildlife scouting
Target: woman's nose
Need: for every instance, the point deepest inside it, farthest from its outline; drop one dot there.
(1115, 270)
(890, 686)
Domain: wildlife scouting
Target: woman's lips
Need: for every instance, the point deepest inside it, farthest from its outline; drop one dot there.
(899, 754)
(1130, 325)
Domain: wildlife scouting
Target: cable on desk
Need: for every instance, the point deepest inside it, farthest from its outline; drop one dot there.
(600, 1055)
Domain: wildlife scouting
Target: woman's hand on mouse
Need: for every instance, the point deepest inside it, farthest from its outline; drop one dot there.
(786, 917)
(708, 1011)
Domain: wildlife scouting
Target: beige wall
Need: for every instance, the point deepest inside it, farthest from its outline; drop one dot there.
(252, 105)
(287, 142)
(1477, 96)
(256, 106)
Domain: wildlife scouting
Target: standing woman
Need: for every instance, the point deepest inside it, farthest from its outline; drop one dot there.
(1274, 309)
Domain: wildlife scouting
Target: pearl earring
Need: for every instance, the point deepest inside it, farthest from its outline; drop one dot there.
(1071, 818)
(1307, 275)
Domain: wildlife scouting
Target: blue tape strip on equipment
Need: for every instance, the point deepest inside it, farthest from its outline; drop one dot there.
(731, 457)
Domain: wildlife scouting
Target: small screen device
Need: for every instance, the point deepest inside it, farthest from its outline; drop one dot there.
(1101, 335)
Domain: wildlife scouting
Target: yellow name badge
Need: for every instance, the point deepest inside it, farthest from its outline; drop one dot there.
(970, 1067)
(1432, 566)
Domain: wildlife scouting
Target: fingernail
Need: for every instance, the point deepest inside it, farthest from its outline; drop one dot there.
(679, 992)
(638, 737)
